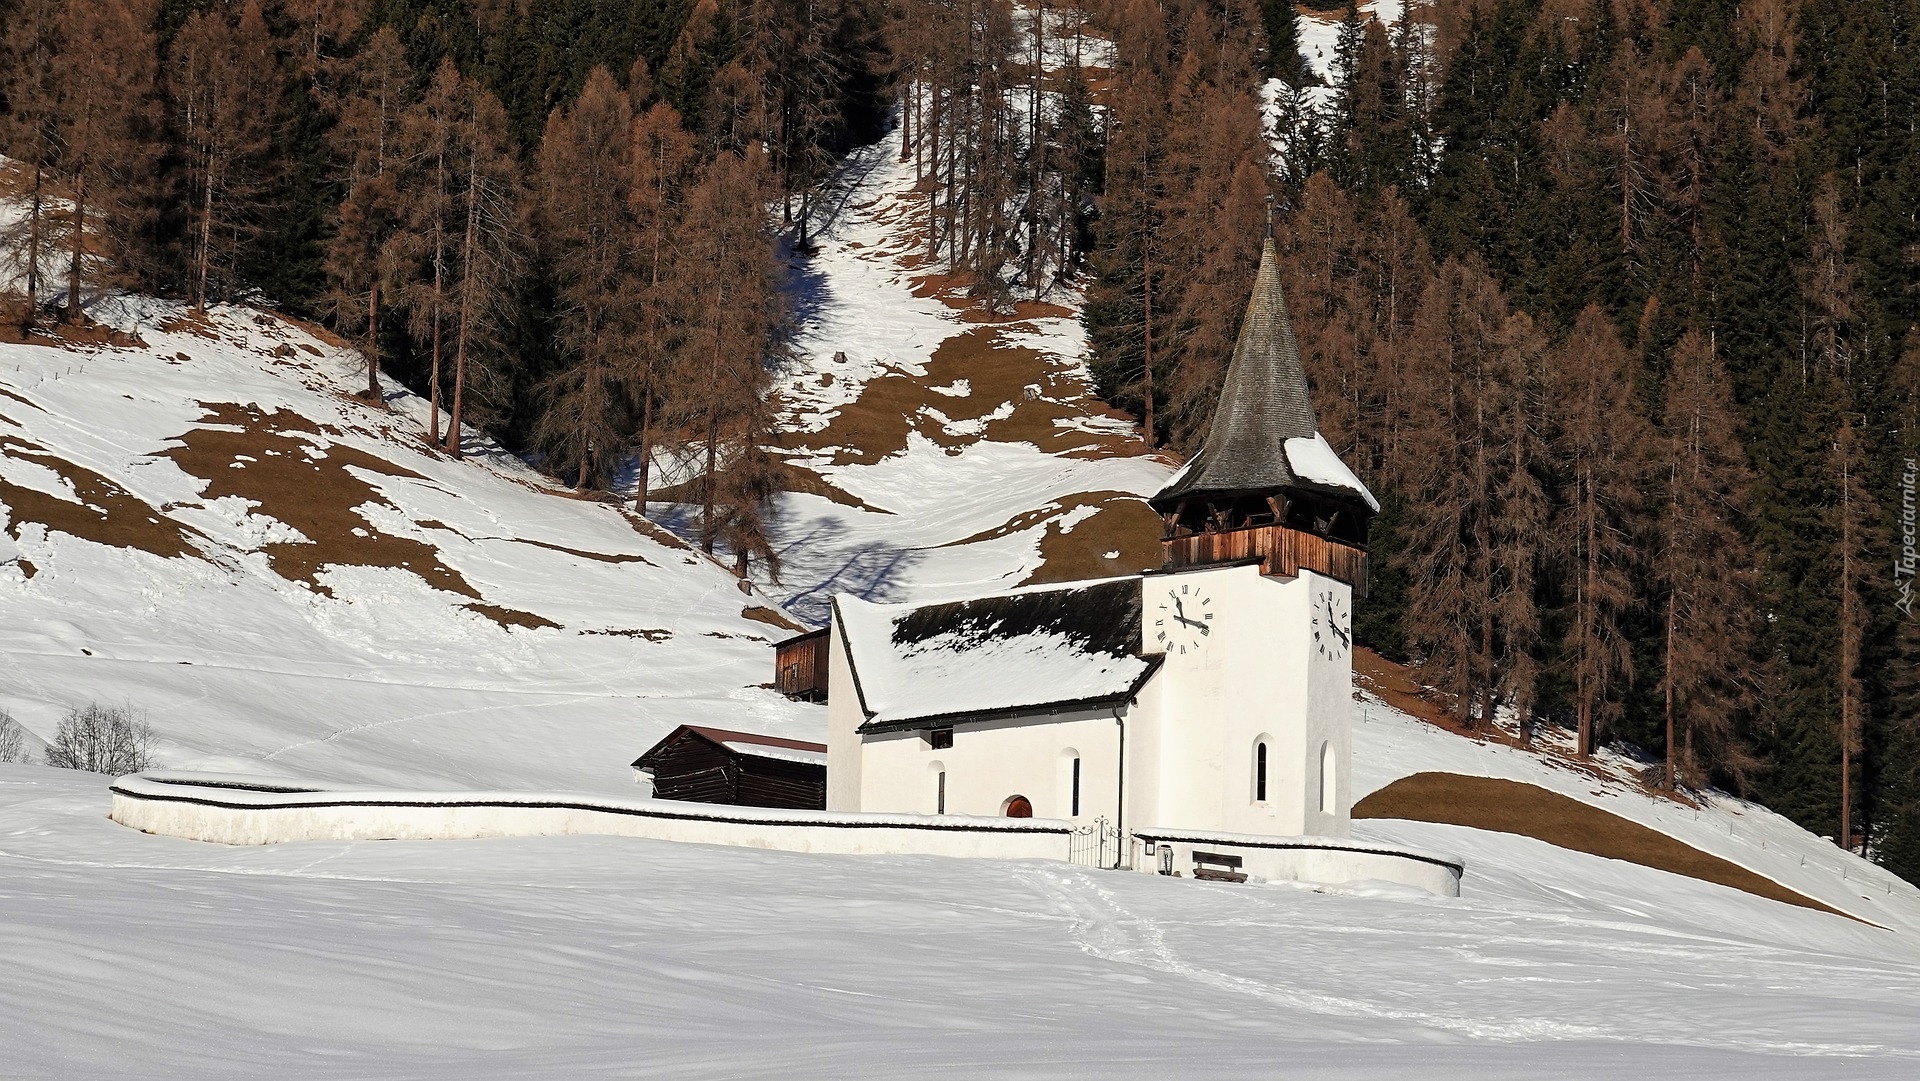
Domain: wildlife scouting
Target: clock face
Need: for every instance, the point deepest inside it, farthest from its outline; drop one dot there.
(1182, 618)
(1332, 630)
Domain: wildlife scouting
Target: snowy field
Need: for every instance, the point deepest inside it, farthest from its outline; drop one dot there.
(138, 956)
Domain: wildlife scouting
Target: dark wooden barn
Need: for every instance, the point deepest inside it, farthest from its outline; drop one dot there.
(713, 765)
(800, 666)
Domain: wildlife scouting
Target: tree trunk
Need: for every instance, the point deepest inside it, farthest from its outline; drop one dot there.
(1849, 644)
(1672, 596)
(373, 342)
(906, 119)
(73, 313)
(439, 297)
(646, 450)
(37, 209)
(206, 234)
(466, 320)
(707, 482)
(1584, 608)
(1146, 278)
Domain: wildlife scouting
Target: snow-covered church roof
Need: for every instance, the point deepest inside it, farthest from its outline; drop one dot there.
(1263, 436)
(1027, 651)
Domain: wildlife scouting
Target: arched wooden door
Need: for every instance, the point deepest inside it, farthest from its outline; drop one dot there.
(1018, 807)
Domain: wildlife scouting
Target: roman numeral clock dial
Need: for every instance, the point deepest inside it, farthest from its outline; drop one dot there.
(1332, 629)
(1182, 619)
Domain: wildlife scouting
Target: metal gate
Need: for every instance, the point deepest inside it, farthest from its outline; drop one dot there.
(1097, 844)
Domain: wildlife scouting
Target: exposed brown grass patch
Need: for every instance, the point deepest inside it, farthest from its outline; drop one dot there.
(1531, 811)
(54, 333)
(26, 567)
(190, 321)
(1015, 394)
(1124, 524)
(651, 634)
(598, 557)
(105, 514)
(312, 329)
(654, 532)
(795, 478)
(1397, 687)
(298, 478)
(511, 617)
(772, 617)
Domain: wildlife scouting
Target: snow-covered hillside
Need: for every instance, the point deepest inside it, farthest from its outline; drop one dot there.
(207, 527)
(951, 450)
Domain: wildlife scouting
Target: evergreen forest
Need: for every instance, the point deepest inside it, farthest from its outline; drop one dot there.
(1614, 303)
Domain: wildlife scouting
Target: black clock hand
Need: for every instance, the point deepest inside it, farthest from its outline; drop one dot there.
(1344, 637)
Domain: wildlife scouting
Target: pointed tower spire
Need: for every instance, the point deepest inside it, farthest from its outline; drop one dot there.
(1264, 462)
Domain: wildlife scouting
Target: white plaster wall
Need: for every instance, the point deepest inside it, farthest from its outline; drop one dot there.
(1333, 866)
(1258, 676)
(993, 760)
(1329, 719)
(844, 718)
(245, 825)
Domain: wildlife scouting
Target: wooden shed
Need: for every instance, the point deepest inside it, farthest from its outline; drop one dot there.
(714, 765)
(800, 666)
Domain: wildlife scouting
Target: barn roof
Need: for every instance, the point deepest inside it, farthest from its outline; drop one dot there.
(1263, 437)
(1031, 650)
(752, 743)
(803, 636)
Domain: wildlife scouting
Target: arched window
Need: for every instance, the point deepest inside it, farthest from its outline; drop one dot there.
(939, 771)
(1326, 777)
(1260, 772)
(1076, 787)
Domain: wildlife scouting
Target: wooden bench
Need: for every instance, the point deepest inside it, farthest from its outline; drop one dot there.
(1217, 867)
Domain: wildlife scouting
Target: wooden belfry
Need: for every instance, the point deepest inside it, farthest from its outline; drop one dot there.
(1246, 494)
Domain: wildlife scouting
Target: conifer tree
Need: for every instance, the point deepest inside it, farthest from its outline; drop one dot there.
(225, 97)
(28, 134)
(367, 141)
(1704, 567)
(489, 204)
(1602, 439)
(423, 241)
(662, 165)
(587, 228)
(78, 82)
(727, 280)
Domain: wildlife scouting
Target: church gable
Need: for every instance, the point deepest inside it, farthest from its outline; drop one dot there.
(1026, 651)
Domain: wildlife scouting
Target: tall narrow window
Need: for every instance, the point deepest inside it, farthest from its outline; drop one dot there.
(1260, 773)
(1326, 778)
(940, 795)
(1076, 787)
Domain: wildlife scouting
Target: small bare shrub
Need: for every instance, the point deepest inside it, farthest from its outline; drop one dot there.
(13, 740)
(102, 739)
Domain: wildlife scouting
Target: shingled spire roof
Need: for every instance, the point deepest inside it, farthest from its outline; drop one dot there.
(1264, 407)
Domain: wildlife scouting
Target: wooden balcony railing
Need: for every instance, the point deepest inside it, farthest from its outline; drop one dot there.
(1281, 551)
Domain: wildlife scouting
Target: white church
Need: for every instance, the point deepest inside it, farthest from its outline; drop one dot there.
(1195, 720)
(1203, 707)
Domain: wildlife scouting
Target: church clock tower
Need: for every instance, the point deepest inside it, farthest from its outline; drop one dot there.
(1248, 726)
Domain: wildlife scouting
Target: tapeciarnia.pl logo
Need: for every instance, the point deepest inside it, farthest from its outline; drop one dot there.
(1908, 560)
